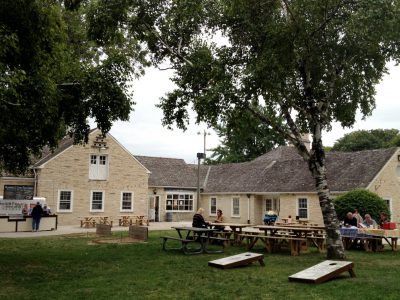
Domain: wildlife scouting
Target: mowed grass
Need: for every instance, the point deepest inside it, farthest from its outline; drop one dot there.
(68, 267)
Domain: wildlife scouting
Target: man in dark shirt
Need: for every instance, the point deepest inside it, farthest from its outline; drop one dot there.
(198, 219)
(350, 220)
(36, 214)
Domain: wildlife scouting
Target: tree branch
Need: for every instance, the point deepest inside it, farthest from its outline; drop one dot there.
(10, 103)
(327, 20)
(172, 51)
(288, 9)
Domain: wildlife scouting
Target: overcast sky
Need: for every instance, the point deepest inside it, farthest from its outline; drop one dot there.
(145, 135)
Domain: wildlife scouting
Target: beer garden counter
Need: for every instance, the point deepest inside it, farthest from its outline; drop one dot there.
(19, 223)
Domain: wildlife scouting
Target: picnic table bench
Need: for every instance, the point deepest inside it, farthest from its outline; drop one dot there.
(91, 221)
(87, 222)
(274, 242)
(184, 245)
(127, 220)
(201, 236)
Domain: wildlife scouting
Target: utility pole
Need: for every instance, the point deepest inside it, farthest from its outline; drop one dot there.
(199, 157)
(205, 133)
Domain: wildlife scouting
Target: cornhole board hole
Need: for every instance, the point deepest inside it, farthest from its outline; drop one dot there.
(324, 271)
(237, 260)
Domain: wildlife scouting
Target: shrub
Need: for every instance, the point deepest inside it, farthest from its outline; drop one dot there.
(365, 201)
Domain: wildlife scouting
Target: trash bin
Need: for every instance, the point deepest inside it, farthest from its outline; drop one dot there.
(169, 216)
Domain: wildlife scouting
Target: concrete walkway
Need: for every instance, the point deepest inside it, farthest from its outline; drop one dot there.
(62, 230)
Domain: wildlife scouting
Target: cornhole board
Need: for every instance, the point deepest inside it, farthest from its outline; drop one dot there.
(237, 260)
(324, 271)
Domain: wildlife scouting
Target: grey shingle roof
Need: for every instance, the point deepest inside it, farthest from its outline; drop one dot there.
(282, 170)
(172, 172)
(278, 171)
(48, 154)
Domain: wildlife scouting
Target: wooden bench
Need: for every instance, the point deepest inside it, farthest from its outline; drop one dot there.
(272, 243)
(184, 243)
(318, 241)
(222, 242)
(88, 222)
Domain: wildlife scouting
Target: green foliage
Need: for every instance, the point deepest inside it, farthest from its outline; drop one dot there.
(54, 75)
(242, 138)
(368, 140)
(319, 60)
(365, 201)
(296, 65)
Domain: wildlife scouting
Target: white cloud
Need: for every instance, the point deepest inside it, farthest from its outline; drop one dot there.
(145, 135)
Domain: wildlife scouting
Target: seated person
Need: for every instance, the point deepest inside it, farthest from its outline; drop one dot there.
(369, 222)
(289, 219)
(25, 210)
(350, 220)
(220, 219)
(45, 210)
(383, 219)
(198, 220)
(357, 215)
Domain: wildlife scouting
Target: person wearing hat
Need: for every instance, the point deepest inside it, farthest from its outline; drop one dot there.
(36, 214)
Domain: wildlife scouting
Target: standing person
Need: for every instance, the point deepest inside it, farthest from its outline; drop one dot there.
(36, 214)
(198, 219)
(357, 216)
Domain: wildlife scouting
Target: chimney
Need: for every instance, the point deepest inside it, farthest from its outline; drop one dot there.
(305, 138)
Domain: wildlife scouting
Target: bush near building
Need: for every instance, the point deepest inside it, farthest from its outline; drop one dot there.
(365, 201)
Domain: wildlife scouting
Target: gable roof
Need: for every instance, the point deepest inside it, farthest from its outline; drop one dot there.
(172, 172)
(281, 170)
(48, 154)
(284, 171)
(66, 143)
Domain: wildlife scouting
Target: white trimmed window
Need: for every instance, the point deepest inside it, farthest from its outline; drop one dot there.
(388, 201)
(126, 201)
(213, 206)
(98, 168)
(97, 201)
(65, 198)
(235, 207)
(179, 202)
(271, 204)
(302, 208)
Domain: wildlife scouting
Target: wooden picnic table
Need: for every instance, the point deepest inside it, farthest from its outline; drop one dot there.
(87, 221)
(126, 220)
(370, 241)
(297, 237)
(191, 235)
(237, 229)
(91, 221)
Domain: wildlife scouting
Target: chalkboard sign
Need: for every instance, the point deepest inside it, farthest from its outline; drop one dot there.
(18, 192)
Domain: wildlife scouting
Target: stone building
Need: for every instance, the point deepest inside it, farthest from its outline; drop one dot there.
(103, 178)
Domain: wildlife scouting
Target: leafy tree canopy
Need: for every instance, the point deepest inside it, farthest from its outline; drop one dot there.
(243, 138)
(295, 65)
(55, 73)
(368, 140)
(365, 201)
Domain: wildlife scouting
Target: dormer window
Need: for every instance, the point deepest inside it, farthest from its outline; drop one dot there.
(98, 168)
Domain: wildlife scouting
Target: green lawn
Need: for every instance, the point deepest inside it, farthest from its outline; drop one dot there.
(67, 267)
